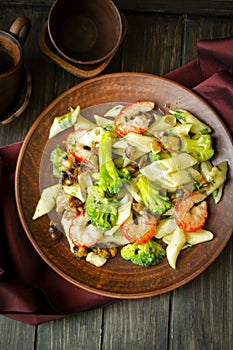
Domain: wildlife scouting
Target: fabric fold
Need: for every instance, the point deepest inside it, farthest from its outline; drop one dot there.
(27, 284)
(210, 75)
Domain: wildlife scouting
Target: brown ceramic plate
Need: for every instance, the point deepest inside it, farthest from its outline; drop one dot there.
(119, 278)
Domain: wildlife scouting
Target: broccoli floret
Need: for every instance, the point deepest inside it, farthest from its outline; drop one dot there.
(157, 202)
(101, 210)
(158, 156)
(154, 156)
(129, 251)
(124, 173)
(109, 179)
(56, 158)
(199, 146)
(147, 254)
(185, 117)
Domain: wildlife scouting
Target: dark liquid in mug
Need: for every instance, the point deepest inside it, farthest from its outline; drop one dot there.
(6, 62)
(78, 35)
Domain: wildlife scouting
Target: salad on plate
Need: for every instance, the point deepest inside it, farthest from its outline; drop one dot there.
(135, 181)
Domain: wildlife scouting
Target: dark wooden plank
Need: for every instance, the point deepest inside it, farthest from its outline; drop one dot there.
(81, 331)
(204, 28)
(153, 43)
(44, 73)
(212, 7)
(137, 324)
(201, 307)
(205, 305)
(15, 335)
(41, 70)
(199, 317)
(204, 308)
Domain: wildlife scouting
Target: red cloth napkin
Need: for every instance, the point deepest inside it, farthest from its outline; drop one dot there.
(211, 76)
(29, 290)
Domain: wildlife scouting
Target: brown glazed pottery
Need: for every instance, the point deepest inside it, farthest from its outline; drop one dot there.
(11, 61)
(85, 32)
(119, 278)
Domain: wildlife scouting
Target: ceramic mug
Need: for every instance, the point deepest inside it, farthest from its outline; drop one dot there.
(11, 62)
(85, 32)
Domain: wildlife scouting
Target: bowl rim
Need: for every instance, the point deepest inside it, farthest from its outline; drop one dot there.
(93, 61)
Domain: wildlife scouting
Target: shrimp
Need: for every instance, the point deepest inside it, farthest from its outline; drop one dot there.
(83, 233)
(190, 217)
(140, 230)
(84, 152)
(134, 117)
(80, 151)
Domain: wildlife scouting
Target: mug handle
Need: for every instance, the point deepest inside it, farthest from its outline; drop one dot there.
(20, 28)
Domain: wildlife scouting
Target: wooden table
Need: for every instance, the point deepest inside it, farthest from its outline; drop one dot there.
(198, 315)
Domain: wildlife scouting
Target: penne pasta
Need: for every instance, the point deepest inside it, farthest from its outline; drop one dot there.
(198, 127)
(199, 236)
(103, 122)
(219, 178)
(165, 227)
(175, 245)
(113, 112)
(180, 178)
(134, 180)
(192, 238)
(163, 123)
(142, 142)
(160, 168)
(83, 123)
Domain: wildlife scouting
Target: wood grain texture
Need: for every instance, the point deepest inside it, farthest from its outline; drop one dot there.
(43, 72)
(212, 7)
(16, 335)
(203, 28)
(80, 72)
(81, 331)
(203, 306)
(152, 44)
(137, 325)
(195, 316)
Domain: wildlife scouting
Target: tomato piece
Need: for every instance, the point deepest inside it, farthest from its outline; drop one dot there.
(83, 233)
(190, 217)
(134, 118)
(140, 230)
(81, 152)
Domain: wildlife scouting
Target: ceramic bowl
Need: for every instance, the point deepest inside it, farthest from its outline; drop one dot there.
(85, 32)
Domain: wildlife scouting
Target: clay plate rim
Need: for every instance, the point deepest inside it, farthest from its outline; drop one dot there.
(118, 278)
